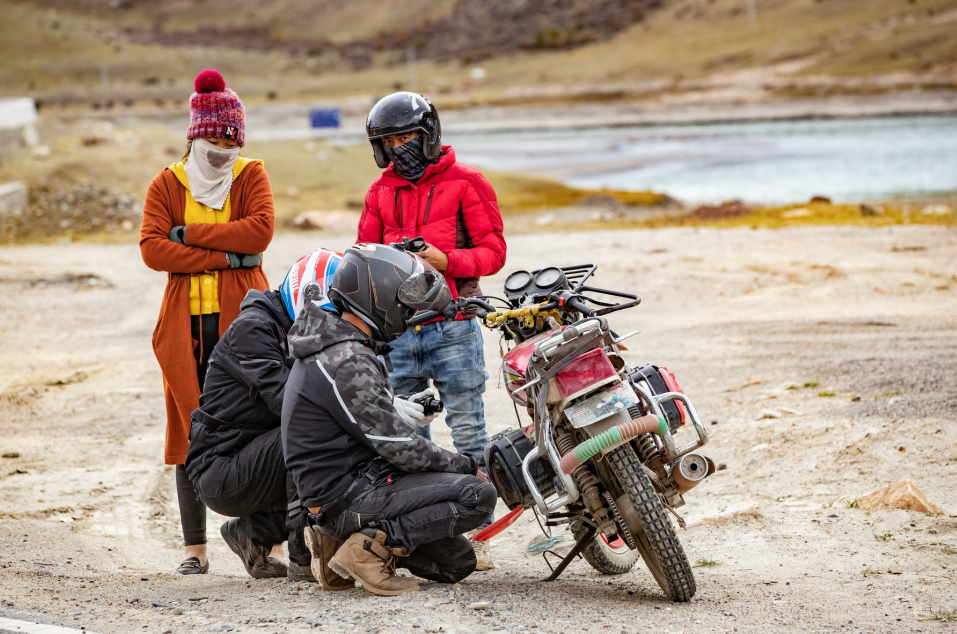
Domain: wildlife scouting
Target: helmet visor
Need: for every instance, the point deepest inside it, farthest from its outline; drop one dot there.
(425, 289)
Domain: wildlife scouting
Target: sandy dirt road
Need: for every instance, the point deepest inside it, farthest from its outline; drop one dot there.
(758, 325)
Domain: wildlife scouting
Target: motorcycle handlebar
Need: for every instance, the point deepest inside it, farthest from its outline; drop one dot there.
(576, 301)
(452, 311)
(422, 317)
(580, 307)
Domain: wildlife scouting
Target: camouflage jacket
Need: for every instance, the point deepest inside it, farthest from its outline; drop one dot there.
(337, 412)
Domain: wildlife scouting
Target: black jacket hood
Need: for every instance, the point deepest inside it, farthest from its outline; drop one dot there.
(271, 302)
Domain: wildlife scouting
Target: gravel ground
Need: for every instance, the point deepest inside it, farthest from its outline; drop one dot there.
(823, 359)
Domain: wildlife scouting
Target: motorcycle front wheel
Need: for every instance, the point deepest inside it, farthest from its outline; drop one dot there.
(651, 527)
(608, 559)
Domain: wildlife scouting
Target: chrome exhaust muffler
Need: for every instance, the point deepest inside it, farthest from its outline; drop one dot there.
(689, 470)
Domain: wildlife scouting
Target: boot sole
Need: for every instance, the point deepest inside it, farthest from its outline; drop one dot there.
(315, 551)
(273, 569)
(345, 573)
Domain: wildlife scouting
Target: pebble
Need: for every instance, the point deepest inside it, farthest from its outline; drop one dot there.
(219, 627)
(178, 611)
(133, 600)
(158, 604)
(479, 605)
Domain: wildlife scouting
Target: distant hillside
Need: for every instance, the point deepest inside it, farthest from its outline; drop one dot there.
(67, 51)
(355, 32)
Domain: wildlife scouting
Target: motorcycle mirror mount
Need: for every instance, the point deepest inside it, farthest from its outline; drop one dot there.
(623, 337)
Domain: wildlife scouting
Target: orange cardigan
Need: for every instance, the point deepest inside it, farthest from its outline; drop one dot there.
(249, 230)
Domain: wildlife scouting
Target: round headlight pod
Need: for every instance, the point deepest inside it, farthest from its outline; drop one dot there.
(550, 278)
(518, 281)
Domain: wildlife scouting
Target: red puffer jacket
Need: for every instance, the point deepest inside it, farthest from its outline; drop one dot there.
(452, 206)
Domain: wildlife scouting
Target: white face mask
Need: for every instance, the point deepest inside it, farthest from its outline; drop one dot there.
(209, 172)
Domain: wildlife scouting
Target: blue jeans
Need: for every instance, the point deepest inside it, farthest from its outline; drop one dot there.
(450, 353)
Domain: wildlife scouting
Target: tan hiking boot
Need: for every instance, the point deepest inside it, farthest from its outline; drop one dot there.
(322, 548)
(483, 554)
(368, 560)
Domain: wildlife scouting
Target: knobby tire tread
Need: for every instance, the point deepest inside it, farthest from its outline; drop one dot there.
(679, 583)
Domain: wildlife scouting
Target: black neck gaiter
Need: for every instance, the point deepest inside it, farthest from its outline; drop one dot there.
(409, 159)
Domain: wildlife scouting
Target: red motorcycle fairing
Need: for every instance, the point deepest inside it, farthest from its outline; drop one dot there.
(515, 364)
(587, 371)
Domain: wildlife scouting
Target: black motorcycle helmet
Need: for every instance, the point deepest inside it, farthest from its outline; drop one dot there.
(399, 113)
(385, 286)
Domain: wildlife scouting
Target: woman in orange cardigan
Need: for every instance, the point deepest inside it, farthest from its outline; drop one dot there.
(206, 222)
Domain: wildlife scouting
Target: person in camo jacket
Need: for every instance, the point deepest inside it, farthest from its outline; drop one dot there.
(206, 221)
(380, 496)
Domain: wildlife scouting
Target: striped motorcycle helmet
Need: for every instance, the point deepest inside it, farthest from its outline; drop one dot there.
(308, 280)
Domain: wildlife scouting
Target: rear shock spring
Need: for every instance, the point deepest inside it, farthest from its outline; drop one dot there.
(565, 443)
(647, 449)
(650, 456)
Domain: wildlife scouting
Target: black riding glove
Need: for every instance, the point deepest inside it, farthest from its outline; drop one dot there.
(178, 234)
(240, 261)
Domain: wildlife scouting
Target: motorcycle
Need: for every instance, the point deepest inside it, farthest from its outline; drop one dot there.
(599, 453)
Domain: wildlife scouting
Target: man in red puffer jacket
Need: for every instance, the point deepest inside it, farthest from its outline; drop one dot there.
(425, 192)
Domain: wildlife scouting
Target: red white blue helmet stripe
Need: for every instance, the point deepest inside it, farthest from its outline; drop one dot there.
(318, 267)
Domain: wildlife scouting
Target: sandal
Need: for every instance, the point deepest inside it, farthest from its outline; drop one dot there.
(191, 566)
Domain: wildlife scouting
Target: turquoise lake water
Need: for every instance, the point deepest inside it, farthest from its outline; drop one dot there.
(774, 162)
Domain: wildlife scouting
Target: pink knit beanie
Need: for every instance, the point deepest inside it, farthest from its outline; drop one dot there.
(215, 110)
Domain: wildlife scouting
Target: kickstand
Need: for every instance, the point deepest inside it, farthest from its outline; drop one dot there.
(580, 545)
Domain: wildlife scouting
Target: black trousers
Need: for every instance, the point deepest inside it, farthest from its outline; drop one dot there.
(204, 330)
(427, 513)
(254, 486)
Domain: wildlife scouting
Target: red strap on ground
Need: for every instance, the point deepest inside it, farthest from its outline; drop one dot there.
(498, 525)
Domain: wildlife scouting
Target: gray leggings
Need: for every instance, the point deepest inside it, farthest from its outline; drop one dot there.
(192, 513)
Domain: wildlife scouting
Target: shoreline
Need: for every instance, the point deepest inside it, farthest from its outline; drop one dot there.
(288, 121)
(662, 114)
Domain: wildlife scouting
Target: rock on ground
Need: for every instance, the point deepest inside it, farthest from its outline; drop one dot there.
(902, 495)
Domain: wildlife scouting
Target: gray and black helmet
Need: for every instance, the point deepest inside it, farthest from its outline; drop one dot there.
(399, 113)
(384, 287)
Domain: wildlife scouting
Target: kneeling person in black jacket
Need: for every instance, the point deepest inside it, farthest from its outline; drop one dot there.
(380, 495)
(235, 458)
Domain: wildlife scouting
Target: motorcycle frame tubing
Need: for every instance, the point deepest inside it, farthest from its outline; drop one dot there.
(545, 444)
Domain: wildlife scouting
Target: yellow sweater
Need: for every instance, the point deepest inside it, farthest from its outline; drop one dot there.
(204, 287)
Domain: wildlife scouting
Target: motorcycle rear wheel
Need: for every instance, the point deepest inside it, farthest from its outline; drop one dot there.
(603, 557)
(651, 526)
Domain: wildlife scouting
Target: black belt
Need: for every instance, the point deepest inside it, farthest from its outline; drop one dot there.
(215, 424)
(372, 474)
